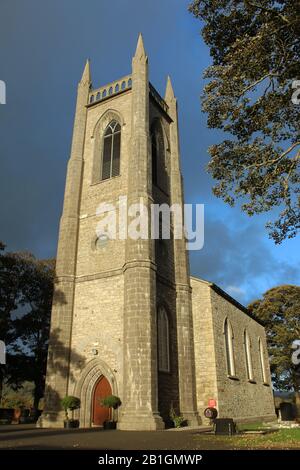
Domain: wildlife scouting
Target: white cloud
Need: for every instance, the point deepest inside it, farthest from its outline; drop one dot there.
(235, 291)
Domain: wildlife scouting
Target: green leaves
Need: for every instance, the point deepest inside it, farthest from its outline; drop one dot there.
(280, 311)
(70, 403)
(255, 48)
(111, 401)
(26, 290)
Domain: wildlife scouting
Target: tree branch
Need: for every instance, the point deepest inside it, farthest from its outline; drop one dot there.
(276, 160)
(295, 144)
(252, 85)
(269, 10)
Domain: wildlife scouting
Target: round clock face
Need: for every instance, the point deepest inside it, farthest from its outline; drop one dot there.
(101, 241)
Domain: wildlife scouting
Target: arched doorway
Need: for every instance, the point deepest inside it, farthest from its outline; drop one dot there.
(102, 389)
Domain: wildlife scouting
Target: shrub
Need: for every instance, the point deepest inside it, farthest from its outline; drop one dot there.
(111, 401)
(70, 403)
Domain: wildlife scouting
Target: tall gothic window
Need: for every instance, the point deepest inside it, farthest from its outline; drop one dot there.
(163, 340)
(228, 333)
(247, 348)
(159, 170)
(111, 151)
(262, 361)
(154, 158)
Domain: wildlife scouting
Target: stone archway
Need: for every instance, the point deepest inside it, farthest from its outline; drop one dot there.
(85, 387)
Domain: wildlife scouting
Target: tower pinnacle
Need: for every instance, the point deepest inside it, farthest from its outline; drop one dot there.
(86, 76)
(140, 49)
(169, 94)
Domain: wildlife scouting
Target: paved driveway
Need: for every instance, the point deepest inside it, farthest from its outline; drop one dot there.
(29, 437)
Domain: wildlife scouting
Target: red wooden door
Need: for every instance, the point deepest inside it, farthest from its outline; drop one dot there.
(101, 390)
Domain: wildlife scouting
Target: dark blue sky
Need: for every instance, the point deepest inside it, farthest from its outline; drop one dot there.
(43, 48)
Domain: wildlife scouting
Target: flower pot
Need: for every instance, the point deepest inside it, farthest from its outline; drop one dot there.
(71, 423)
(5, 421)
(110, 425)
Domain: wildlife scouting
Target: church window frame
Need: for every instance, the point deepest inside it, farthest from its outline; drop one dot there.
(111, 151)
(229, 349)
(262, 362)
(159, 149)
(163, 340)
(248, 356)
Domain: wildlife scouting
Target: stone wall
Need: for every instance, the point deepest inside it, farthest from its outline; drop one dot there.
(168, 386)
(98, 326)
(205, 363)
(237, 397)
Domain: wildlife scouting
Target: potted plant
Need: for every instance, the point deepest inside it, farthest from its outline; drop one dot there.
(112, 402)
(70, 403)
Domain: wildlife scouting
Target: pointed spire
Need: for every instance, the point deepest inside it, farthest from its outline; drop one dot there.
(169, 94)
(140, 50)
(86, 76)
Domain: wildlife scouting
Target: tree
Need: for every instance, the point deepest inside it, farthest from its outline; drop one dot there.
(31, 329)
(255, 48)
(26, 290)
(279, 309)
(70, 403)
(9, 293)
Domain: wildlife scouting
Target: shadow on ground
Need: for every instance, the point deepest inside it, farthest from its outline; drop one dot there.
(98, 439)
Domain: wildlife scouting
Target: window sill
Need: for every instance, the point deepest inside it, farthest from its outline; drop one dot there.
(233, 377)
(94, 183)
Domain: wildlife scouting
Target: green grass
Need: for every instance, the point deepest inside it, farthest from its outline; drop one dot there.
(250, 426)
(282, 439)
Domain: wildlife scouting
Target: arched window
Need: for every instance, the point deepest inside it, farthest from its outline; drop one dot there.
(262, 361)
(228, 333)
(111, 151)
(163, 340)
(247, 348)
(159, 172)
(154, 158)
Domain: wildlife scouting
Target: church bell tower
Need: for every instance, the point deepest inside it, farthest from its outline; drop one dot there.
(122, 314)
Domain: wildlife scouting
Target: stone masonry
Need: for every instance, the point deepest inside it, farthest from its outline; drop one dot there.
(237, 397)
(107, 292)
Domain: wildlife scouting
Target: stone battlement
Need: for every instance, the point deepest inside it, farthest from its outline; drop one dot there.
(110, 89)
(120, 85)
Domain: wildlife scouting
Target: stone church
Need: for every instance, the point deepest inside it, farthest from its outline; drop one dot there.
(127, 318)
